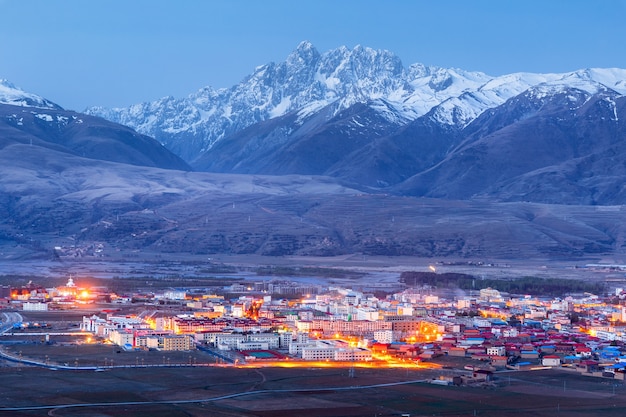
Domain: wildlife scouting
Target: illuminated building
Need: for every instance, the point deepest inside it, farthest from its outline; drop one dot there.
(334, 350)
(284, 339)
(122, 337)
(404, 310)
(303, 325)
(317, 353)
(26, 306)
(141, 337)
(187, 324)
(240, 341)
(490, 295)
(197, 324)
(367, 313)
(431, 299)
(238, 310)
(171, 342)
(384, 336)
(248, 345)
(96, 325)
(363, 328)
(271, 339)
(69, 290)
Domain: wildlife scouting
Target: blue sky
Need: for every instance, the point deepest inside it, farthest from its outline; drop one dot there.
(80, 53)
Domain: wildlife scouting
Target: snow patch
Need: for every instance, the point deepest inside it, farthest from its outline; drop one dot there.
(281, 108)
(44, 117)
(15, 96)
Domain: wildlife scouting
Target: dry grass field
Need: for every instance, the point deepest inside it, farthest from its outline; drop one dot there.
(322, 393)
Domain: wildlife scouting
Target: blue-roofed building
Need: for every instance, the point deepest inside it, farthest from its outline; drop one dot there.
(529, 354)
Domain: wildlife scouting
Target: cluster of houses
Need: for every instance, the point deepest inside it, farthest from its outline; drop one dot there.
(487, 329)
(34, 297)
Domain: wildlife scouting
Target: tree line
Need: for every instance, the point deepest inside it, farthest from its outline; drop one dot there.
(523, 285)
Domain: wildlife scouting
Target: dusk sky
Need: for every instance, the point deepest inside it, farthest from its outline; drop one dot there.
(114, 53)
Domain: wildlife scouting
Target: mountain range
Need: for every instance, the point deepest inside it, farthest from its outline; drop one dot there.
(360, 116)
(325, 154)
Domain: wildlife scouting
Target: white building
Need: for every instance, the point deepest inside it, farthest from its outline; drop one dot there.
(496, 351)
(170, 342)
(175, 295)
(96, 325)
(284, 339)
(227, 341)
(334, 350)
(295, 348)
(355, 354)
(551, 360)
(481, 322)
(384, 336)
(431, 299)
(367, 313)
(316, 353)
(303, 326)
(404, 310)
(490, 295)
(246, 345)
(302, 337)
(510, 332)
(271, 340)
(237, 310)
(35, 306)
(122, 337)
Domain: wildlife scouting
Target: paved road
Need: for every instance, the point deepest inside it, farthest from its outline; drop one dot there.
(8, 320)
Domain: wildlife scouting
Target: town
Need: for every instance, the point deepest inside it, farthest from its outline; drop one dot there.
(280, 322)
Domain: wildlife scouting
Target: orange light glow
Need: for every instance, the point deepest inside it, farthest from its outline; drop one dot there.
(388, 362)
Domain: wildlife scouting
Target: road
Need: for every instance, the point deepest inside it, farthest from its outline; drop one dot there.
(8, 320)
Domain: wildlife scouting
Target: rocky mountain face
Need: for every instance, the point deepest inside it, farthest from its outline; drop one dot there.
(10, 94)
(307, 83)
(360, 116)
(326, 154)
(565, 147)
(27, 119)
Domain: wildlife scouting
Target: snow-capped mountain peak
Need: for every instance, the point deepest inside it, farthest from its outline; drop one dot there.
(15, 96)
(309, 81)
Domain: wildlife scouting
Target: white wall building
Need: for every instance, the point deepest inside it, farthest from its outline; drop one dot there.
(367, 313)
(295, 348)
(384, 336)
(35, 306)
(227, 341)
(431, 299)
(355, 354)
(496, 351)
(122, 337)
(405, 310)
(245, 345)
(316, 353)
(271, 340)
(175, 295)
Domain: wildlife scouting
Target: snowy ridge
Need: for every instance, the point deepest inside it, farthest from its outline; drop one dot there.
(308, 81)
(10, 94)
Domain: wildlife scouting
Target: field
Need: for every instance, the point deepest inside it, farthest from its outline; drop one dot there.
(196, 391)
